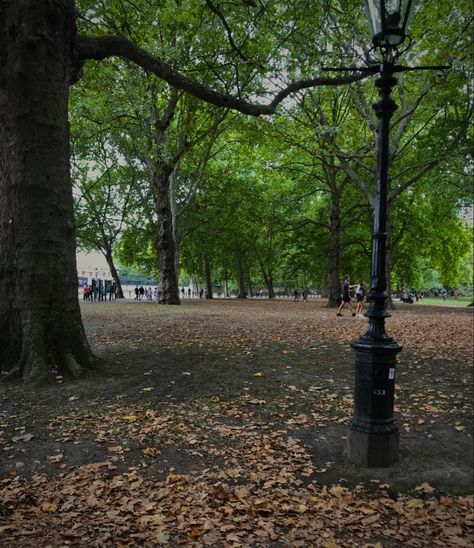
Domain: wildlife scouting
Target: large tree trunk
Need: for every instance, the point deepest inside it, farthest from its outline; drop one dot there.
(41, 329)
(113, 271)
(169, 291)
(334, 252)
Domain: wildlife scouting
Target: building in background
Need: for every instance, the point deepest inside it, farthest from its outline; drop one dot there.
(92, 269)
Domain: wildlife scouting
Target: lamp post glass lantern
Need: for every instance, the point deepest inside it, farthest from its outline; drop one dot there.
(388, 20)
(373, 436)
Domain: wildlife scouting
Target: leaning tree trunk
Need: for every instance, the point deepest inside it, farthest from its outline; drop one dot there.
(268, 278)
(115, 276)
(334, 253)
(41, 329)
(169, 291)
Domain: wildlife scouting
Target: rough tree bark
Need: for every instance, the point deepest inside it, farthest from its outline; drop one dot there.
(169, 291)
(41, 328)
(334, 251)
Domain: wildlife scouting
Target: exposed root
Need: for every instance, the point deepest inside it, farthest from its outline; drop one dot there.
(16, 371)
(71, 366)
(36, 373)
(35, 370)
(13, 374)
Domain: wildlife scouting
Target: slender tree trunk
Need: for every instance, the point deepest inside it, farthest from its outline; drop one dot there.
(241, 275)
(169, 291)
(249, 284)
(334, 252)
(113, 271)
(40, 326)
(208, 278)
(174, 220)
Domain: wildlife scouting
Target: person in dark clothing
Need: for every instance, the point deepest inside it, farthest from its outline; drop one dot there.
(346, 297)
(137, 291)
(142, 292)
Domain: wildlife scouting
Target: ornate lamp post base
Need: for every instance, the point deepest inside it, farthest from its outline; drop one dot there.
(373, 435)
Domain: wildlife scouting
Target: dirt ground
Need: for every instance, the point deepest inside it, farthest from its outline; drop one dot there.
(224, 423)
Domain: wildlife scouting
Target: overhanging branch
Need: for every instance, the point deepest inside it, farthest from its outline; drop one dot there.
(102, 47)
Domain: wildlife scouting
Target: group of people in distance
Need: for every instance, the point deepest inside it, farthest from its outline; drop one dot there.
(360, 293)
(304, 295)
(149, 294)
(98, 292)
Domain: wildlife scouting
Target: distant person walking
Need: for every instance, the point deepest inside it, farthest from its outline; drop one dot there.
(360, 297)
(141, 290)
(296, 296)
(137, 291)
(346, 297)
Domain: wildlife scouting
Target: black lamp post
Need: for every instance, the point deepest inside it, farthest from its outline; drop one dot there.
(373, 435)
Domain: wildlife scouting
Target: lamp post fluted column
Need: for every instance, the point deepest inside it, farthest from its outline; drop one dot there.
(373, 435)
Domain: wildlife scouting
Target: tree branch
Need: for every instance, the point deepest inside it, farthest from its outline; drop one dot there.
(102, 47)
(219, 14)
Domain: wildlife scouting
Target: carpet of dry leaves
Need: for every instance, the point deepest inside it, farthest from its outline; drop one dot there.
(223, 424)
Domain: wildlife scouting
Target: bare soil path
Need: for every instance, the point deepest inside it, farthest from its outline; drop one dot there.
(223, 424)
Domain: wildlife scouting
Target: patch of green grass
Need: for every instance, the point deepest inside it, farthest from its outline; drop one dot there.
(450, 301)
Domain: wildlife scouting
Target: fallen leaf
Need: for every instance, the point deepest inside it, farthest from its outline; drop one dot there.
(150, 451)
(56, 458)
(425, 488)
(49, 507)
(195, 533)
(130, 418)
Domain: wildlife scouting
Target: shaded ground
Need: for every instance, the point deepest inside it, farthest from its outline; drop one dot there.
(223, 424)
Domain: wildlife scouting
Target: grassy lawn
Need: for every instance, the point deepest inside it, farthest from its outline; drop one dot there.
(450, 301)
